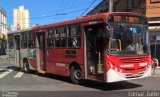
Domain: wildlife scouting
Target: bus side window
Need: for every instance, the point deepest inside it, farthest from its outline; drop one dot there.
(17, 39)
(51, 36)
(31, 39)
(60, 37)
(24, 40)
(10, 41)
(74, 36)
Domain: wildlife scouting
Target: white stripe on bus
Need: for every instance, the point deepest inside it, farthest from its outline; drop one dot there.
(18, 75)
(2, 75)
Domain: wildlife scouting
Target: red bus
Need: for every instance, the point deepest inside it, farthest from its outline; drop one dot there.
(107, 47)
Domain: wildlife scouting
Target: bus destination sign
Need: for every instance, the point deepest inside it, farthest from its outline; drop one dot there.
(127, 19)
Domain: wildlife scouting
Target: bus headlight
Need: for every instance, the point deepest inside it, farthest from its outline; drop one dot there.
(113, 66)
(110, 64)
(120, 70)
(116, 68)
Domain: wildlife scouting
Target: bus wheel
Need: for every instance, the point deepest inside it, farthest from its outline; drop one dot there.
(75, 75)
(26, 67)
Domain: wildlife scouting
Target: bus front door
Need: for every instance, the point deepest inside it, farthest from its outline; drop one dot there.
(94, 52)
(17, 50)
(40, 51)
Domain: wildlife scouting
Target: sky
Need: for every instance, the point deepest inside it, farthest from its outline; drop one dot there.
(49, 11)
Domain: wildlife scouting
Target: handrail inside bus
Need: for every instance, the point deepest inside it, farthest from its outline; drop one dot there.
(119, 42)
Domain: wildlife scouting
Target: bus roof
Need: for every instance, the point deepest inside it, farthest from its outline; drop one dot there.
(101, 16)
(18, 31)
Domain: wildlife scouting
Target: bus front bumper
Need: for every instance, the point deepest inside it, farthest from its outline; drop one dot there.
(115, 76)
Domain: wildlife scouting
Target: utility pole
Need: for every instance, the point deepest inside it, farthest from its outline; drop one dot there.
(110, 5)
(63, 14)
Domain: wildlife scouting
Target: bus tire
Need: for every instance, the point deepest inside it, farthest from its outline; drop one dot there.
(26, 68)
(75, 75)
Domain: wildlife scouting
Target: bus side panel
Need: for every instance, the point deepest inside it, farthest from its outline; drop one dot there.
(32, 64)
(55, 62)
(58, 62)
(31, 56)
(57, 68)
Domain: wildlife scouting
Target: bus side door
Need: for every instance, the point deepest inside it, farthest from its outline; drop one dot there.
(40, 51)
(94, 51)
(17, 50)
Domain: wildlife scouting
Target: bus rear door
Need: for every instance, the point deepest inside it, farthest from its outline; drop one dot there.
(17, 50)
(40, 51)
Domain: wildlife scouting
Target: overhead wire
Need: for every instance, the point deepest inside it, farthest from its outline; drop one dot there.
(61, 4)
(71, 7)
(88, 7)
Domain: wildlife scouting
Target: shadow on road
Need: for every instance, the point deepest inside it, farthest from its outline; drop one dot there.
(110, 86)
(88, 83)
(1, 71)
(97, 85)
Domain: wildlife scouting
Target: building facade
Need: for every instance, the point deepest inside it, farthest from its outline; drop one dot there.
(3, 23)
(3, 31)
(21, 18)
(149, 8)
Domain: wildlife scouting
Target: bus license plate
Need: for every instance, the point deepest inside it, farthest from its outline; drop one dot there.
(134, 75)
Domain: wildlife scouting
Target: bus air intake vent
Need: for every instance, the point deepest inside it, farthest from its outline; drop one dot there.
(133, 60)
(129, 68)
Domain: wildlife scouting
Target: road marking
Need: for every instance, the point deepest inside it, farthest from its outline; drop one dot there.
(18, 75)
(2, 75)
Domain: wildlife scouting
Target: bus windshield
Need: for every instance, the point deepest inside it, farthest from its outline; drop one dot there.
(128, 39)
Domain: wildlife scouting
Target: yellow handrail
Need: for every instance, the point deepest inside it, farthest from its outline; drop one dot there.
(120, 44)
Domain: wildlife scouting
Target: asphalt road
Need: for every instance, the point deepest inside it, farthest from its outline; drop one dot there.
(15, 83)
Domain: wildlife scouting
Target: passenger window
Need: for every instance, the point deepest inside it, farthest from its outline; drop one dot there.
(31, 39)
(60, 37)
(74, 37)
(10, 41)
(51, 38)
(24, 40)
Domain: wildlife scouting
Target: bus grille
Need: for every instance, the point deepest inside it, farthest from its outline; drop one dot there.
(133, 60)
(130, 69)
(131, 75)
